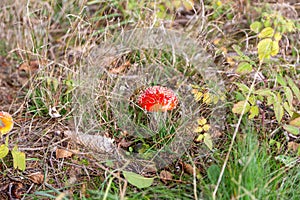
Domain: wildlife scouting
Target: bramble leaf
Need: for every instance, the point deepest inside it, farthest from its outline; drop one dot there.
(264, 48)
(244, 68)
(266, 32)
(256, 26)
(238, 107)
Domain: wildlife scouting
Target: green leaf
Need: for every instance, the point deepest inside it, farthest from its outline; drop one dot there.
(289, 95)
(244, 88)
(266, 33)
(19, 159)
(252, 100)
(238, 107)
(3, 150)
(244, 68)
(295, 122)
(288, 108)
(291, 129)
(281, 80)
(238, 50)
(254, 111)
(264, 92)
(293, 87)
(264, 48)
(213, 173)
(137, 180)
(279, 111)
(256, 26)
(208, 141)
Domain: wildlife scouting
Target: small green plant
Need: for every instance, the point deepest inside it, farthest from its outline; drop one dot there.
(283, 93)
(270, 30)
(52, 95)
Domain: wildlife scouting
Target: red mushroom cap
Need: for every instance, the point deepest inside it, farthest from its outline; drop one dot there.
(157, 98)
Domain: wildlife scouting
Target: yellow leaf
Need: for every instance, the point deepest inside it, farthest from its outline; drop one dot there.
(19, 159)
(208, 140)
(277, 36)
(3, 151)
(238, 107)
(279, 112)
(199, 138)
(254, 111)
(202, 121)
(264, 48)
(206, 127)
(275, 48)
(198, 130)
(187, 4)
(206, 98)
(6, 123)
(266, 32)
(198, 96)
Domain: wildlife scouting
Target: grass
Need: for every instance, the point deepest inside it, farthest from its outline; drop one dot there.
(60, 37)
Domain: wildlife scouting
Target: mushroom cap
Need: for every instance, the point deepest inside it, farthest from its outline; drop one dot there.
(157, 98)
(6, 122)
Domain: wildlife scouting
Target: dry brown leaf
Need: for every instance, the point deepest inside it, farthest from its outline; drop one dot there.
(293, 146)
(124, 144)
(120, 69)
(188, 168)
(62, 153)
(37, 178)
(165, 176)
(32, 66)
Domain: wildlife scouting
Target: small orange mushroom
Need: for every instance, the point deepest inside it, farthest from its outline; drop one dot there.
(6, 122)
(157, 98)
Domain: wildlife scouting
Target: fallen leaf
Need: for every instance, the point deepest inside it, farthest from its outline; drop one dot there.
(17, 190)
(32, 66)
(62, 153)
(37, 178)
(188, 168)
(165, 176)
(120, 69)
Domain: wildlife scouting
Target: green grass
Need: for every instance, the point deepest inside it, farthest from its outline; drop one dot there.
(252, 173)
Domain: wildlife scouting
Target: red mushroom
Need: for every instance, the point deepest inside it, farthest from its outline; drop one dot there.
(157, 98)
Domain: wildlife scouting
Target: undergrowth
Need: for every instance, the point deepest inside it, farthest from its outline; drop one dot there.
(45, 44)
